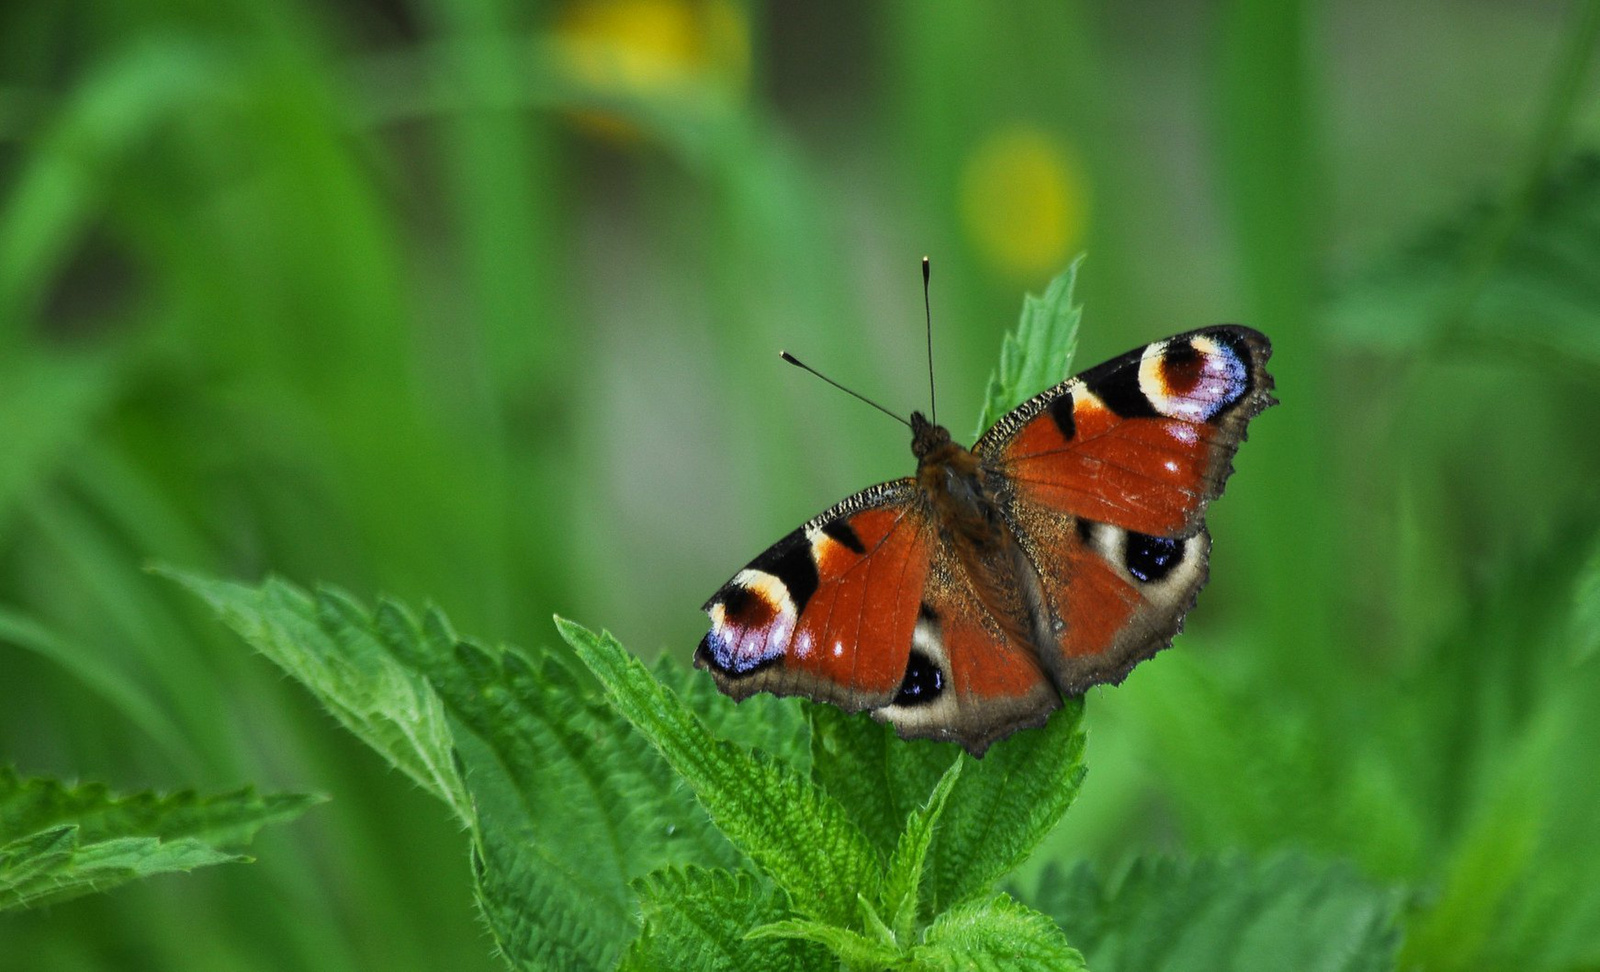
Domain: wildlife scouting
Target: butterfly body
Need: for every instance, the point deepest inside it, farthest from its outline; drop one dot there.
(1059, 551)
(964, 502)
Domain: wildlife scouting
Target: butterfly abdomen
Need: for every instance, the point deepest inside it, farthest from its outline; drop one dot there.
(966, 509)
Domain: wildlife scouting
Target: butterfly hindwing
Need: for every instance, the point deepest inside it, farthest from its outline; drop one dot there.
(1114, 597)
(969, 680)
(828, 611)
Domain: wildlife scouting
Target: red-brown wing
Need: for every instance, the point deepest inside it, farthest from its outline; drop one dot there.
(828, 611)
(1142, 442)
(967, 680)
(1112, 597)
(1107, 477)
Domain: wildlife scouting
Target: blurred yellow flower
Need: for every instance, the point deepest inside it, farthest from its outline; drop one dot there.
(1024, 201)
(641, 47)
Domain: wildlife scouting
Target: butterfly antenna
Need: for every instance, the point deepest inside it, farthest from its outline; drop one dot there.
(802, 365)
(927, 309)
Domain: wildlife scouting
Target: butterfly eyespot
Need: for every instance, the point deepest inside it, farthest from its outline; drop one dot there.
(752, 618)
(1181, 367)
(1194, 378)
(756, 599)
(923, 682)
(717, 653)
(1151, 559)
(738, 604)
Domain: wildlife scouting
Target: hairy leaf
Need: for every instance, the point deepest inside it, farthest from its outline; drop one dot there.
(542, 914)
(853, 949)
(1039, 352)
(391, 709)
(699, 919)
(546, 756)
(59, 841)
(1162, 916)
(879, 777)
(564, 803)
(996, 934)
(903, 881)
(765, 722)
(795, 831)
(1004, 805)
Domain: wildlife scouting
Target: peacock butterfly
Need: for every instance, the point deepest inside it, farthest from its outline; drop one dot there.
(1056, 554)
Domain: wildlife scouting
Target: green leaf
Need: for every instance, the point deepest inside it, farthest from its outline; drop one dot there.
(904, 877)
(564, 787)
(799, 835)
(998, 934)
(546, 753)
(1003, 806)
(765, 722)
(1163, 916)
(542, 914)
(873, 924)
(566, 805)
(854, 950)
(565, 802)
(1039, 352)
(879, 777)
(391, 709)
(59, 842)
(226, 819)
(696, 918)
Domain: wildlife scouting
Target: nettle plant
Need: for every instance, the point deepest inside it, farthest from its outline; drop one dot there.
(651, 823)
(60, 841)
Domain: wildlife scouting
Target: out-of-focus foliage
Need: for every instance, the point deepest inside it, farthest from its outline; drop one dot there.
(58, 842)
(1534, 296)
(477, 302)
(1214, 915)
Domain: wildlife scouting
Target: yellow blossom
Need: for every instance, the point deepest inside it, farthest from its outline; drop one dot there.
(646, 47)
(1024, 201)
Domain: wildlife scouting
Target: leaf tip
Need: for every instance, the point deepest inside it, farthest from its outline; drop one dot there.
(571, 631)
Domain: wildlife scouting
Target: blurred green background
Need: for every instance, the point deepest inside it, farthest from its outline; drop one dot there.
(477, 302)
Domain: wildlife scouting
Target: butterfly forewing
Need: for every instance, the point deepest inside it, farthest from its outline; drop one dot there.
(1143, 441)
(828, 611)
